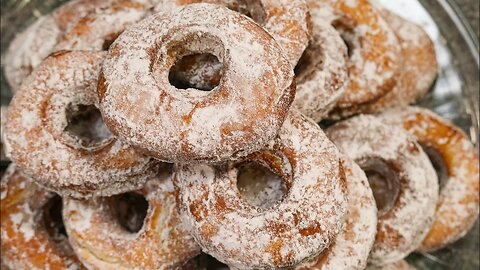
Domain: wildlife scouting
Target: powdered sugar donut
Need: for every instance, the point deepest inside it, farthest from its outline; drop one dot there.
(55, 133)
(419, 68)
(76, 25)
(236, 118)
(352, 246)
(101, 243)
(373, 48)
(321, 74)
(29, 239)
(401, 177)
(456, 158)
(292, 230)
(98, 29)
(286, 20)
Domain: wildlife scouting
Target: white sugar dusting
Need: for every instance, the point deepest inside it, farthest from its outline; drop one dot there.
(365, 137)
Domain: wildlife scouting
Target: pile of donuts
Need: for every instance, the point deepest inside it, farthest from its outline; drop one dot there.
(160, 134)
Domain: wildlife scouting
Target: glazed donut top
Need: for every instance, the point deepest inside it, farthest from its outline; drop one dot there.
(236, 118)
(286, 20)
(42, 138)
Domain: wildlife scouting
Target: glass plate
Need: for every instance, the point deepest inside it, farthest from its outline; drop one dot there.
(455, 94)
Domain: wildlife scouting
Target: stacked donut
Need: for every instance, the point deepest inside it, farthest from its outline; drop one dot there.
(145, 134)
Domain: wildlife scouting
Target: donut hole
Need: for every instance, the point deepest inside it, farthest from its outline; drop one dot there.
(438, 164)
(129, 210)
(347, 32)
(384, 182)
(85, 125)
(306, 64)
(52, 219)
(259, 186)
(201, 71)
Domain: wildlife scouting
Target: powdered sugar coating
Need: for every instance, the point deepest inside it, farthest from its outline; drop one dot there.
(100, 27)
(419, 65)
(38, 142)
(458, 203)
(236, 118)
(375, 53)
(25, 242)
(101, 243)
(322, 76)
(285, 20)
(401, 229)
(352, 246)
(29, 48)
(75, 25)
(295, 229)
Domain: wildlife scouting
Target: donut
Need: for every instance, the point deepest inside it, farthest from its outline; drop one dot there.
(321, 73)
(236, 118)
(98, 29)
(456, 158)
(29, 238)
(76, 25)
(297, 227)
(101, 242)
(402, 179)
(286, 20)
(55, 134)
(352, 246)
(374, 52)
(399, 265)
(419, 66)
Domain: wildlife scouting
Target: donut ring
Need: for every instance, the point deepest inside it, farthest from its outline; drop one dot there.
(286, 20)
(419, 69)
(76, 25)
(24, 227)
(457, 207)
(374, 62)
(39, 138)
(161, 243)
(394, 155)
(352, 246)
(226, 226)
(238, 117)
(321, 73)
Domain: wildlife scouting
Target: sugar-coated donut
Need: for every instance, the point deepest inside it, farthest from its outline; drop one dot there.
(98, 29)
(101, 243)
(236, 118)
(419, 68)
(28, 240)
(286, 20)
(453, 153)
(373, 48)
(55, 133)
(296, 228)
(321, 73)
(352, 245)
(391, 158)
(76, 25)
